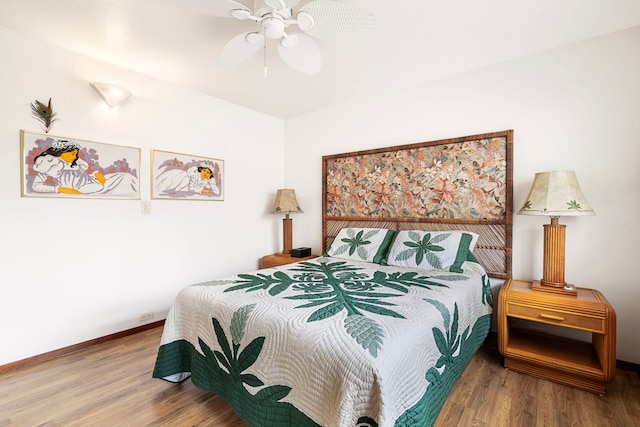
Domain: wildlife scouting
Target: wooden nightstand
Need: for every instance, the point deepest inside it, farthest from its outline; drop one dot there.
(585, 365)
(275, 260)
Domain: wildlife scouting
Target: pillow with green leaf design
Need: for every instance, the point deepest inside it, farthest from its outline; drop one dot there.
(431, 250)
(361, 244)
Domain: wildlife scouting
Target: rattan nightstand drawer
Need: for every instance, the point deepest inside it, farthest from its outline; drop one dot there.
(552, 317)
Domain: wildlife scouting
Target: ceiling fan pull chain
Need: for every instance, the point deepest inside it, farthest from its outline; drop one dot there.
(264, 54)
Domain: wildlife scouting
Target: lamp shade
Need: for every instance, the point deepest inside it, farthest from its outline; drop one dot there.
(556, 194)
(285, 202)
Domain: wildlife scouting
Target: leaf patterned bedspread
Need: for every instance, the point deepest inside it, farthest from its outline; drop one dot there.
(329, 342)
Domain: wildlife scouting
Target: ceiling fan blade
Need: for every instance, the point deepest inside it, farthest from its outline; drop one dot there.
(304, 56)
(240, 48)
(282, 4)
(275, 4)
(224, 7)
(335, 19)
(290, 3)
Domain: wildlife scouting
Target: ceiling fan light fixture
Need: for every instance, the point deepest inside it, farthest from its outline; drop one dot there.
(273, 27)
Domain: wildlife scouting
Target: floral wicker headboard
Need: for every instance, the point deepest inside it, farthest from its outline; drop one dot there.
(452, 184)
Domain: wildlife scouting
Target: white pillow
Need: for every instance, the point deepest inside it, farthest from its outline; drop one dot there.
(361, 244)
(432, 250)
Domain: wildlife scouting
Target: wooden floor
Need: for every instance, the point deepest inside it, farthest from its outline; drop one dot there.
(110, 385)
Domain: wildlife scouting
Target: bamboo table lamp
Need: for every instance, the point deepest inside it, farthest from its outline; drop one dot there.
(555, 194)
(286, 203)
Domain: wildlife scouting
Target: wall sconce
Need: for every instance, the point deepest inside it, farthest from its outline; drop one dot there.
(555, 194)
(110, 93)
(286, 203)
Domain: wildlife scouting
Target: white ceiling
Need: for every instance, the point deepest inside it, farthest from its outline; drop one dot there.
(415, 41)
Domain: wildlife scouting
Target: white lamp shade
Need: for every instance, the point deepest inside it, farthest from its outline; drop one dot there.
(285, 202)
(556, 193)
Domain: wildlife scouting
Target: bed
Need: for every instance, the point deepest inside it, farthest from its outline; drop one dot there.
(376, 331)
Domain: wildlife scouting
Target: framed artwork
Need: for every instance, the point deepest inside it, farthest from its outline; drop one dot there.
(186, 177)
(54, 166)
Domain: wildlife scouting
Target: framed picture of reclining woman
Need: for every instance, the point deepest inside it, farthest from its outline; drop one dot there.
(55, 166)
(186, 177)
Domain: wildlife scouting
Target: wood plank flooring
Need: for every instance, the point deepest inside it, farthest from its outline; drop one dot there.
(110, 384)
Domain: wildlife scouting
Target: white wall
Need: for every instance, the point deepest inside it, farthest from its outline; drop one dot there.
(74, 270)
(574, 108)
(101, 263)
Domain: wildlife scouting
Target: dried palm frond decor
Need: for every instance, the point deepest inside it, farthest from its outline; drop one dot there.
(44, 113)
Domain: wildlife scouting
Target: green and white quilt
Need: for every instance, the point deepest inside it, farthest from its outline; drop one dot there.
(329, 342)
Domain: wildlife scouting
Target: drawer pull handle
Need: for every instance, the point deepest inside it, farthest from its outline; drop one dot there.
(551, 317)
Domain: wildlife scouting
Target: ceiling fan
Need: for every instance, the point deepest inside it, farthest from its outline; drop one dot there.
(317, 18)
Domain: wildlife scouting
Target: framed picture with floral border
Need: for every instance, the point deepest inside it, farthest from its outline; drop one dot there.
(55, 166)
(186, 177)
